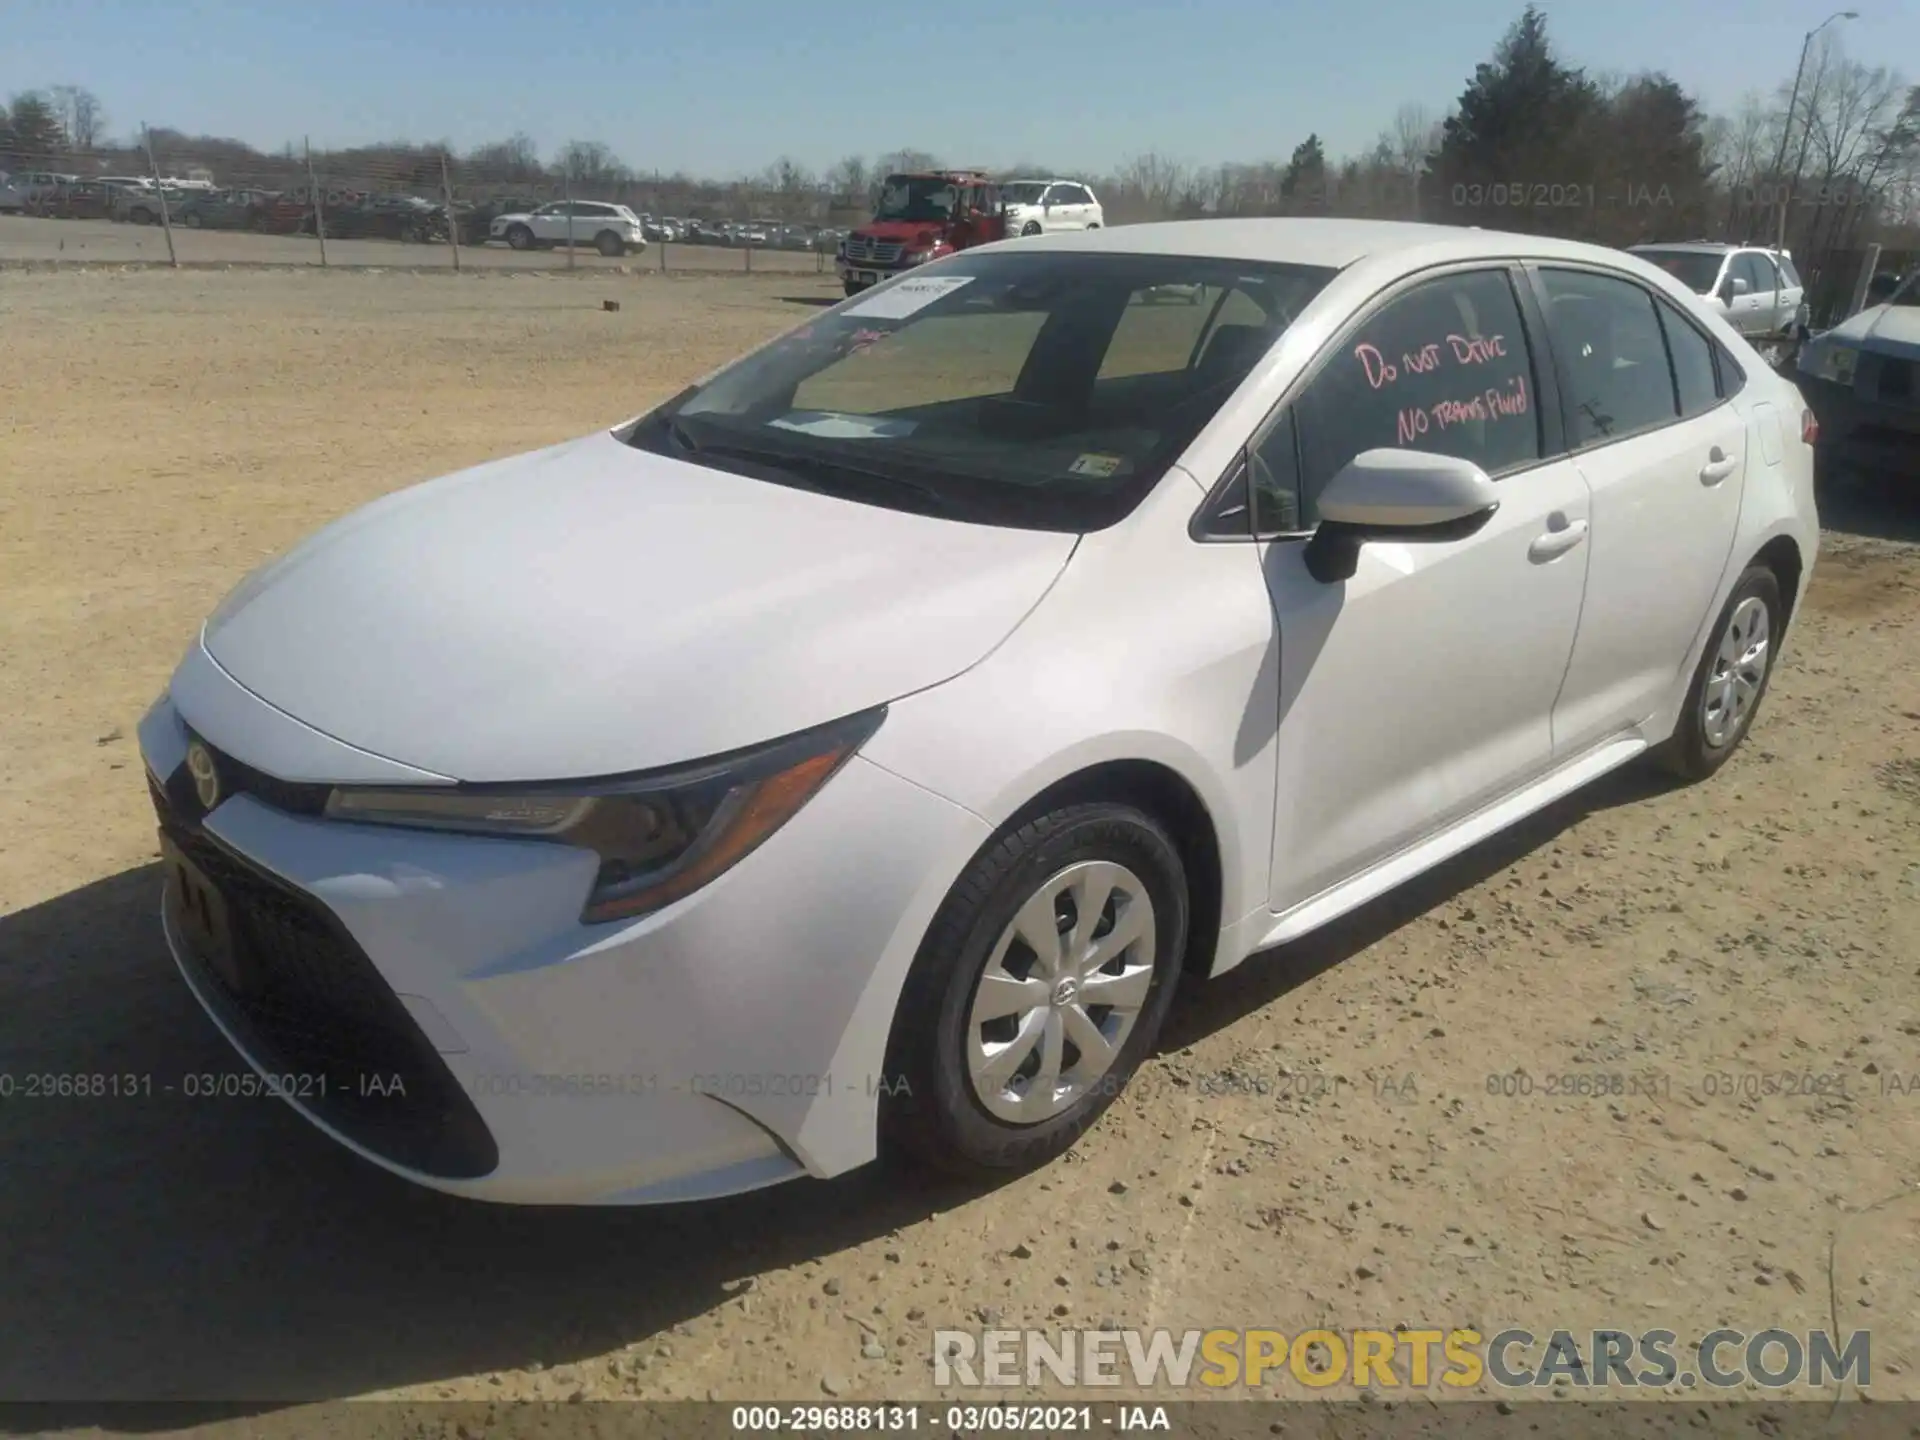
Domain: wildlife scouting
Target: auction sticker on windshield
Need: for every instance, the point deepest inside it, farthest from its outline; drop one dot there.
(898, 301)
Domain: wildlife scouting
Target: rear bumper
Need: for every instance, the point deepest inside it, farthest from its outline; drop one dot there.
(1870, 434)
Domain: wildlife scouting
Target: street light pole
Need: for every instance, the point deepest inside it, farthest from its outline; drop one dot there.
(1786, 126)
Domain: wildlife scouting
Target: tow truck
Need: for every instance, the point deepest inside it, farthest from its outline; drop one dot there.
(921, 216)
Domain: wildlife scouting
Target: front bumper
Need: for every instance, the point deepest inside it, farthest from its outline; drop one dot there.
(1869, 433)
(732, 1041)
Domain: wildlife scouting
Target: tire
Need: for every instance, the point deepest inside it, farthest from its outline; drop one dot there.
(1707, 735)
(609, 244)
(851, 288)
(1032, 227)
(519, 237)
(192, 220)
(934, 1108)
(1094, 226)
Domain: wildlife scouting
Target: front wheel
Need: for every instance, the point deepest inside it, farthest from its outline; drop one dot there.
(1730, 680)
(609, 244)
(519, 237)
(1041, 986)
(1032, 227)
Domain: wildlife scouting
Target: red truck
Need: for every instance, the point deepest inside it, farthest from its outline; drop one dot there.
(921, 217)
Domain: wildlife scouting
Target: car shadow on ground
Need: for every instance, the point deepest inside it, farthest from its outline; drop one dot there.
(1876, 512)
(1272, 974)
(162, 1245)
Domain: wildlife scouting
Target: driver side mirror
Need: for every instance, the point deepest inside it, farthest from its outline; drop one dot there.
(1403, 495)
(1734, 288)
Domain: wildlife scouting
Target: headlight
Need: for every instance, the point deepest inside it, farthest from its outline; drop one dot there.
(659, 836)
(1833, 362)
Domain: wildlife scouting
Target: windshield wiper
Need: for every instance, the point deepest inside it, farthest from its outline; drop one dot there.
(824, 476)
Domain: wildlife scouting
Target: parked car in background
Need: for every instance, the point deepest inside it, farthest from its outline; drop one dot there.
(610, 229)
(1862, 379)
(962, 724)
(1036, 207)
(24, 187)
(238, 209)
(141, 204)
(388, 217)
(1757, 289)
(476, 217)
(74, 200)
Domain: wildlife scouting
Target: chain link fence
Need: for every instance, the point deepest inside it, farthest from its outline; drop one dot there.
(384, 208)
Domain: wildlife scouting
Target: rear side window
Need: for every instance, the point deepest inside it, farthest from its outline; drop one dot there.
(1611, 355)
(1442, 368)
(1790, 275)
(1693, 362)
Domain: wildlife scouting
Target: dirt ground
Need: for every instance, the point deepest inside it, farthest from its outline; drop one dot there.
(1354, 1132)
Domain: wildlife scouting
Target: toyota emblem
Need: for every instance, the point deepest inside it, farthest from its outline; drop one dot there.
(206, 775)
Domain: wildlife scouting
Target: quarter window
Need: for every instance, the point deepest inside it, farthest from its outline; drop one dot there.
(1612, 356)
(1443, 368)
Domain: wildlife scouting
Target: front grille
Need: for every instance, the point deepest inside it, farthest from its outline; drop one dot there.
(867, 251)
(317, 1014)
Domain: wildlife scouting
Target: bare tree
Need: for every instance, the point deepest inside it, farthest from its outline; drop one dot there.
(591, 164)
(515, 159)
(81, 115)
(849, 179)
(905, 162)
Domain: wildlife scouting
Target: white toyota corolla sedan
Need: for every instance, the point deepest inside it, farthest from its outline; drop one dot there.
(850, 755)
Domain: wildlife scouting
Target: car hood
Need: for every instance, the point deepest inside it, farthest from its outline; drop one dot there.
(1886, 329)
(592, 609)
(516, 215)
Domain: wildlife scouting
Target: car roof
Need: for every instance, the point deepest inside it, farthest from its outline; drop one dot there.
(1707, 247)
(1335, 244)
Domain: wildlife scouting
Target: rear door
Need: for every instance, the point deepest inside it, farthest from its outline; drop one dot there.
(1663, 447)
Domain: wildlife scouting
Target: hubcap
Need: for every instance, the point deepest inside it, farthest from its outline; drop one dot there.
(1739, 668)
(1061, 992)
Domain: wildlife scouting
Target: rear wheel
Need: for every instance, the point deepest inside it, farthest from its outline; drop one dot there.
(1032, 227)
(193, 220)
(1730, 680)
(1041, 986)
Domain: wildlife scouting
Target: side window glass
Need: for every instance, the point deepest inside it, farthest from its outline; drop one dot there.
(1443, 368)
(1613, 359)
(1274, 480)
(1693, 363)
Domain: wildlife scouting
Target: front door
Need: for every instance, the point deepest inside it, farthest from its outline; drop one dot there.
(1422, 688)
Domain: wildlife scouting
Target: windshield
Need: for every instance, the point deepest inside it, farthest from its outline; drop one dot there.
(1695, 269)
(915, 197)
(1044, 391)
(1024, 192)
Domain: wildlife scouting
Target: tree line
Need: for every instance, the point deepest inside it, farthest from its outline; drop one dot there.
(1531, 143)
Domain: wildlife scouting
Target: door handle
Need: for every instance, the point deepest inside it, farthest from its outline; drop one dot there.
(1718, 467)
(1557, 540)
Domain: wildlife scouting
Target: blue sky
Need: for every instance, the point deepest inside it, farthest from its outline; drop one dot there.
(722, 87)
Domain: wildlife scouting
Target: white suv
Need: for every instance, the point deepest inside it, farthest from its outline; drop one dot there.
(1758, 290)
(1034, 206)
(610, 229)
